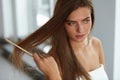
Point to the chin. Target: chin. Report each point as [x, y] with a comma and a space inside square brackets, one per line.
[79, 40]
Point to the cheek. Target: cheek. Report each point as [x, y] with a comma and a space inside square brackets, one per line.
[88, 28]
[69, 31]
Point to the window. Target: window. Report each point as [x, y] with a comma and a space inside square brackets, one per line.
[25, 16]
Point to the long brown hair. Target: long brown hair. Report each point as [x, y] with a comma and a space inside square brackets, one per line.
[54, 29]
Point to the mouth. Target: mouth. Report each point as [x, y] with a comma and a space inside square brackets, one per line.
[80, 36]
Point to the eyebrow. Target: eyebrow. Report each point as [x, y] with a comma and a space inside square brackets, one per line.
[86, 18]
[70, 21]
[75, 21]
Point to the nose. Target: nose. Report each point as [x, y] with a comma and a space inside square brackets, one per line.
[79, 28]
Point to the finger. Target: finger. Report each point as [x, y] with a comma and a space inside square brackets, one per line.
[37, 58]
[41, 55]
[41, 59]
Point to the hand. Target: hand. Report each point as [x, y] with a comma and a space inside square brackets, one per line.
[48, 66]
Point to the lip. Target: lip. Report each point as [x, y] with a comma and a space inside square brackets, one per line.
[79, 36]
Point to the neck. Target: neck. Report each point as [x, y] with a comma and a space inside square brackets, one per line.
[78, 46]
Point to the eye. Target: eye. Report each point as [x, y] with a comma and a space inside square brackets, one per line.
[71, 23]
[85, 21]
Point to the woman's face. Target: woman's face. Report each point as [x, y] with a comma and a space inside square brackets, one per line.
[78, 24]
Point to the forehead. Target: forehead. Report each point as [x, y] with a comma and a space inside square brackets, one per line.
[80, 13]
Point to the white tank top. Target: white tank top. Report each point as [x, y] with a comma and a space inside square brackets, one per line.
[98, 74]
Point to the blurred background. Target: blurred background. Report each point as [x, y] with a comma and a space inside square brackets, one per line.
[19, 18]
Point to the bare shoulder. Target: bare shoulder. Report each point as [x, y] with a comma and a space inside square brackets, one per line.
[96, 42]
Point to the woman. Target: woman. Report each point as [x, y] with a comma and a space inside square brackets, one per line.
[75, 54]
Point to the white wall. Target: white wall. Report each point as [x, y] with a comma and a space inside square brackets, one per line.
[117, 42]
[6, 17]
[14, 18]
[21, 17]
[104, 29]
[1, 19]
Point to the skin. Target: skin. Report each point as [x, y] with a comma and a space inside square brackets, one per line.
[48, 66]
[90, 55]
[78, 26]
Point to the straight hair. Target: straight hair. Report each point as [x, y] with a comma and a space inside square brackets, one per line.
[61, 48]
